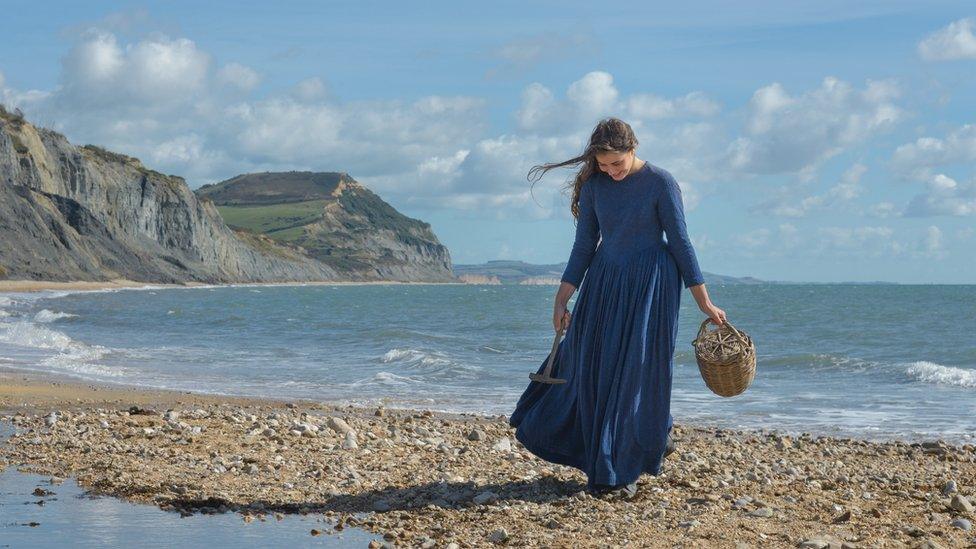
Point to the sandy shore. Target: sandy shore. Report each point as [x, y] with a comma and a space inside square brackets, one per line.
[422, 479]
[41, 285]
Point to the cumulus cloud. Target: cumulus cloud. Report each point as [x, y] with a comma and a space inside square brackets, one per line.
[915, 160]
[944, 196]
[238, 76]
[163, 100]
[859, 241]
[595, 96]
[795, 134]
[882, 209]
[786, 203]
[767, 242]
[931, 242]
[954, 41]
[156, 72]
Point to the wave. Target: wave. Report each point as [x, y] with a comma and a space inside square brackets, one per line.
[930, 372]
[45, 315]
[68, 355]
[429, 366]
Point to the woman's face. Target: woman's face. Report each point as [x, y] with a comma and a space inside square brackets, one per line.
[616, 165]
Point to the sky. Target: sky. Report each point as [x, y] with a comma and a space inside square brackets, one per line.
[813, 141]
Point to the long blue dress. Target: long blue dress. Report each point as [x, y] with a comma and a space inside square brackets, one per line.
[612, 416]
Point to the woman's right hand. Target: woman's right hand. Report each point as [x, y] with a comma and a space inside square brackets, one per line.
[560, 317]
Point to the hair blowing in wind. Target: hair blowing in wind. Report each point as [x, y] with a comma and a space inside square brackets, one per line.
[609, 135]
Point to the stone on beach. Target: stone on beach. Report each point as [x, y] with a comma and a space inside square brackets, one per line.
[503, 445]
[961, 503]
[339, 425]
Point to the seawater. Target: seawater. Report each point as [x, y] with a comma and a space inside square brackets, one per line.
[870, 361]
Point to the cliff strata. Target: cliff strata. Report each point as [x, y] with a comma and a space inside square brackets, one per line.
[84, 213]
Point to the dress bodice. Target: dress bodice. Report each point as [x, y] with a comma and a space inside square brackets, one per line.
[628, 216]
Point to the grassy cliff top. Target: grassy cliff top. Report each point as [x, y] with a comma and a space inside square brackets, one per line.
[256, 189]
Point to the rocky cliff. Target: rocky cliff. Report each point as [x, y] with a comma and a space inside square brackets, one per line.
[336, 220]
[84, 213]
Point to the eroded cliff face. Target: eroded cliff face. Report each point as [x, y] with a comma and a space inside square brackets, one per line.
[83, 213]
[338, 221]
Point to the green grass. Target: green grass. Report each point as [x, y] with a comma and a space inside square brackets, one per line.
[279, 221]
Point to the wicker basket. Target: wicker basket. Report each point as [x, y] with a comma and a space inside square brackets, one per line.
[726, 358]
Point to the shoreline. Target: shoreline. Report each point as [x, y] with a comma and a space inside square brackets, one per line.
[33, 286]
[422, 478]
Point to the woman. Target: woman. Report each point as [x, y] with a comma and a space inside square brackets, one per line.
[612, 418]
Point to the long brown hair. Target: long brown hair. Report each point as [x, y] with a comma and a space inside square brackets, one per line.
[609, 135]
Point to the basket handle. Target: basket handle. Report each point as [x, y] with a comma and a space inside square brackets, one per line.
[701, 330]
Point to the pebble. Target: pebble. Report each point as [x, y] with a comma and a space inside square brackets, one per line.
[761, 512]
[962, 524]
[961, 503]
[485, 497]
[503, 445]
[339, 425]
[476, 434]
[350, 442]
[498, 536]
[949, 488]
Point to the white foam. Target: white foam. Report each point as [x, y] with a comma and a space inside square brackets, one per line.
[931, 372]
[69, 355]
[45, 315]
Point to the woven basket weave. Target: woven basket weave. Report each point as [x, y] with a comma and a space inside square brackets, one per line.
[726, 358]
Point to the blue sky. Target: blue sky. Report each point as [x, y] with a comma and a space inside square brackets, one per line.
[812, 141]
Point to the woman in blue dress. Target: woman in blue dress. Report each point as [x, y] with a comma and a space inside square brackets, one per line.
[612, 418]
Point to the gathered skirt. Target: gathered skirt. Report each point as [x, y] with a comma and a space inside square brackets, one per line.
[612, 417]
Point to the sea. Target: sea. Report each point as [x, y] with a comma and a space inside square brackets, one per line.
[870, 361]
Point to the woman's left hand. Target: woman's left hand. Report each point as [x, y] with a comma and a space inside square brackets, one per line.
[717, 315]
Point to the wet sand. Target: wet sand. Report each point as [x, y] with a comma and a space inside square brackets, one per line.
[417, 478]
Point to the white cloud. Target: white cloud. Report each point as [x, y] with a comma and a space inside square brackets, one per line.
[236, 75]
[931, 242]
[309, 90]
[158, 71]
[867, 240]
[915, 160]
[654, 107]
[954, 41]
[593, 96]
[882, 209]
[786, 203]
[944, 196]
[795, 134]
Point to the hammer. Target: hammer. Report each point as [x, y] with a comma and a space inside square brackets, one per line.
[545, 377]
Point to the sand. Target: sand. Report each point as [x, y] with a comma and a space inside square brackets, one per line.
[422, 479]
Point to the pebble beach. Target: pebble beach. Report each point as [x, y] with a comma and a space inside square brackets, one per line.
[416, 478]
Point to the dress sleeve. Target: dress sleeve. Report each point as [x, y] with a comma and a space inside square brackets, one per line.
[670, 209]
[587, 235]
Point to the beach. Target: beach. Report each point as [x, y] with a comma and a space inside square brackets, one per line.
[417, 478]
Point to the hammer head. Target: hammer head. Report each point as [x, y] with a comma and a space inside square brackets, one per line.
[542, 378]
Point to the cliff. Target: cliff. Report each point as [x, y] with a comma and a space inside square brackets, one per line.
[336, 220]
[84, 213]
